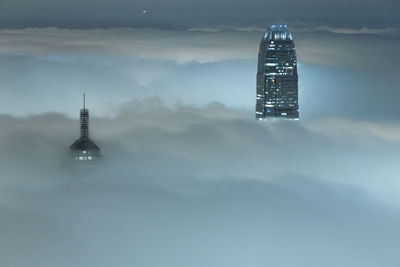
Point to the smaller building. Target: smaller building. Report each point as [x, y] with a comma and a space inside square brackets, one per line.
[84, 148]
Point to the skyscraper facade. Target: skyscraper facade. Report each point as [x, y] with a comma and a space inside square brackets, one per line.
[277, 80]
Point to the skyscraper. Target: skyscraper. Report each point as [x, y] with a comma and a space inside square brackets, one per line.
[277, 80]
[84, 148]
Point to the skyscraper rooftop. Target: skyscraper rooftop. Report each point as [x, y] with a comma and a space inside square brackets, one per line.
[84, 148]
[278, 32]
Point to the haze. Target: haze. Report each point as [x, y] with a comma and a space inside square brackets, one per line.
[188, 177]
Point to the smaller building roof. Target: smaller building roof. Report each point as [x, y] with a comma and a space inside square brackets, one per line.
[84, 143]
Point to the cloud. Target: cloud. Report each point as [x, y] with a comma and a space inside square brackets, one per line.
[359, 31]
[202, 139]
[54, 66]
[339, 128]
[301, 27]
[202, 45]
[198, 186]
[188, 178]
[180, 46]
[307, 27]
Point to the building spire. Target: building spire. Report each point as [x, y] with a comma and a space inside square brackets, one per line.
[84, 148]
[84, 119]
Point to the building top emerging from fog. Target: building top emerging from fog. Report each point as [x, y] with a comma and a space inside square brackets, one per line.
[277, 80]
[84, 148]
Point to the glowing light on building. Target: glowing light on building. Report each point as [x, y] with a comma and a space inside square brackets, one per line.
[277, 80]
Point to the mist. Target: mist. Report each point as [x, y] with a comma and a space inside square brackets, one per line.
[187, 176]
[195, 67]
[181, 186]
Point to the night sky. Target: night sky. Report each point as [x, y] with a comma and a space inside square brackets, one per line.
[179, 14]
[188, 177]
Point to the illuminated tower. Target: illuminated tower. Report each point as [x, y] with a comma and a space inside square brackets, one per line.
[277, 80]
[84, 148]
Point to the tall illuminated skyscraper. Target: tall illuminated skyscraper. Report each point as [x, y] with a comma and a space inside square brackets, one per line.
[277, 80]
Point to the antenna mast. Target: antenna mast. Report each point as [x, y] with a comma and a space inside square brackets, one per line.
[84, 119]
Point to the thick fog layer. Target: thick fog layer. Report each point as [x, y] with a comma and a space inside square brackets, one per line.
[188, 177]
[188, 186]
[341, 72]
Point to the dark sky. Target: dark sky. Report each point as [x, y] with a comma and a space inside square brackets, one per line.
[183, 14]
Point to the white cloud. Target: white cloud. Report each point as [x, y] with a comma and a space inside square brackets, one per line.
[188, 184]
[363, 30]
[193, 67]
[358, 130]
[180, 46]
[197, 186]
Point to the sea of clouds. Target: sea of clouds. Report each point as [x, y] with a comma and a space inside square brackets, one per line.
[188, 177]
